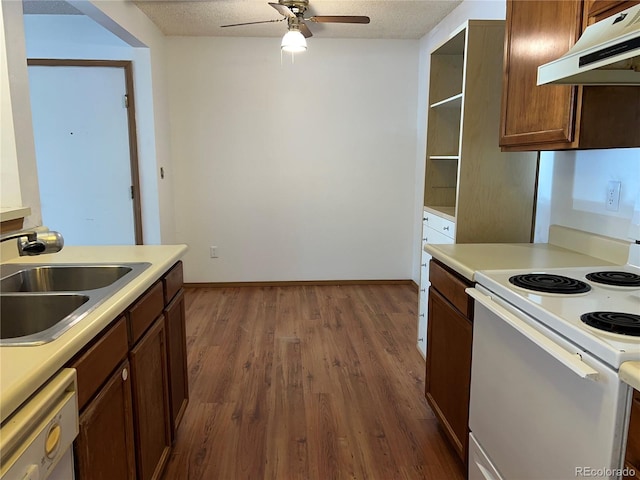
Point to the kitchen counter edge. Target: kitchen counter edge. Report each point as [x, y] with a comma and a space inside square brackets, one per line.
[23, 370]
[630, 374]
[468, 258]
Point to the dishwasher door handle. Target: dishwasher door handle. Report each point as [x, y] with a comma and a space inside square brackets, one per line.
[572, 361]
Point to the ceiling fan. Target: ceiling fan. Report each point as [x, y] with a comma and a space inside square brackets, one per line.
[293, 12]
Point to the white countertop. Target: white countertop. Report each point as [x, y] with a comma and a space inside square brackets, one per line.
[24, 369]
[467, 258]
[567, 247]
[630, 373]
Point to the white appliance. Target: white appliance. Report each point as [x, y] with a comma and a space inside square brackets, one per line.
[607, 53]
[36, 441]
[546, 400]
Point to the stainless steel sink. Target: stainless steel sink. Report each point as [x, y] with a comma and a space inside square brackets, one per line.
[63, 278]
[38, 302]
[24, 315]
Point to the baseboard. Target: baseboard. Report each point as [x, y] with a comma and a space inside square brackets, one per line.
[298, 283]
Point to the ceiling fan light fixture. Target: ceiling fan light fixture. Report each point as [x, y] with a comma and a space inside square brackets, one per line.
[294, 42]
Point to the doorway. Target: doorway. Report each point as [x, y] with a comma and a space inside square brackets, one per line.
[86, 149]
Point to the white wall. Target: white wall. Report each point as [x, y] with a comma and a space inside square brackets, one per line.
[467, 10]
[19, 180]
[297, 171]
[10, 195]
[575, 185]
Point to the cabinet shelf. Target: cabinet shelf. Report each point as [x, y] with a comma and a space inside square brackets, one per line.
[452, 102]
[444, 157]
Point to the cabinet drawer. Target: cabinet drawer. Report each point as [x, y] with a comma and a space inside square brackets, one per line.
[172, 282]
[434, 236]
[451, 287]
[96, 364]
[145, 311]
[439, 224]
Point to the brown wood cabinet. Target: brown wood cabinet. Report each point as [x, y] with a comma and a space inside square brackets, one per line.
[132, 387]
[104, 448]
[596, 10]
[557, 117]
[632, 459]
[174, 315]
[449, 342]
[151, 402]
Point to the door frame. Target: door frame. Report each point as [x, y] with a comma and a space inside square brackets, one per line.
[127, 65]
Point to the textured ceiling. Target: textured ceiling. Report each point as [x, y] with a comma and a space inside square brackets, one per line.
[390, 19]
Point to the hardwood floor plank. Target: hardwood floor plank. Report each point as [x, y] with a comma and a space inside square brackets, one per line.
[307, 382]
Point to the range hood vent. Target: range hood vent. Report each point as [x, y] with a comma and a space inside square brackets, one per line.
[607, 53]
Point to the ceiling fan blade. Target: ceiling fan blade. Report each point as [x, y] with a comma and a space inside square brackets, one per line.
[305, 30]
[252, 23]
[338, 19]
[282, 9]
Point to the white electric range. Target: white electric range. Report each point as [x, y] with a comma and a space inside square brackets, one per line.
[546, 398]
[562, 312]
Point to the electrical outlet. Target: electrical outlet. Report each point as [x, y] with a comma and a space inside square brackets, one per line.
[213, 252]
[613, 196]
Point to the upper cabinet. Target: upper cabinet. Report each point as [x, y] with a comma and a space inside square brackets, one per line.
[596, 10]
[559, 117]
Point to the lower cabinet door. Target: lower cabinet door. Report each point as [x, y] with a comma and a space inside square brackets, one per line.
[104, 448]
[448, 369]
[151, 402]
[177, 360]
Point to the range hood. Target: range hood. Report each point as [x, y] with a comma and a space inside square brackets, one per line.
[607, 53]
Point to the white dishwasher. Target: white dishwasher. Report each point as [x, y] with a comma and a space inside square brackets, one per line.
[36, 441]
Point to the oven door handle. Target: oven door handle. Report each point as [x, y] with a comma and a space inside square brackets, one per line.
[572, 361]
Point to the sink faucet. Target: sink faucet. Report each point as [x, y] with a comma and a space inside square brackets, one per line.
[33, 242]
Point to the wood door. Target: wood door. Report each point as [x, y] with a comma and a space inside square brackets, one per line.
[151, 402]
[104, 448]
[86, 149]
[448, 370]
[177, 360]
[536, 33]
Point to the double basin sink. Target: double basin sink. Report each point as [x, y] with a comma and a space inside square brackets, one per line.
[38, 303]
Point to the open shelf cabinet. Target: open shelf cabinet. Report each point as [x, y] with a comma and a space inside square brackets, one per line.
[490, 193]
[474, 192]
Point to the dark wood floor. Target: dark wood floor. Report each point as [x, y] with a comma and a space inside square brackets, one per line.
[307, 382]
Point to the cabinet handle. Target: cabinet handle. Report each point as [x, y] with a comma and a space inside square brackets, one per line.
[425, 239]
[125, 374]
[423, 264]
[421, 339]
[421, 315]
[423, 289]
[446, 228]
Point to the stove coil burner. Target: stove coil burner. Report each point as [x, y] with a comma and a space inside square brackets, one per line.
[615, 278]
[544, 282]
[614, 322]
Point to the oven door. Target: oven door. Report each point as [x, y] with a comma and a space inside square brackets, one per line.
[540, 407]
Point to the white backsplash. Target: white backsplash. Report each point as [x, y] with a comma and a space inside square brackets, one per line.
[572, 190]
